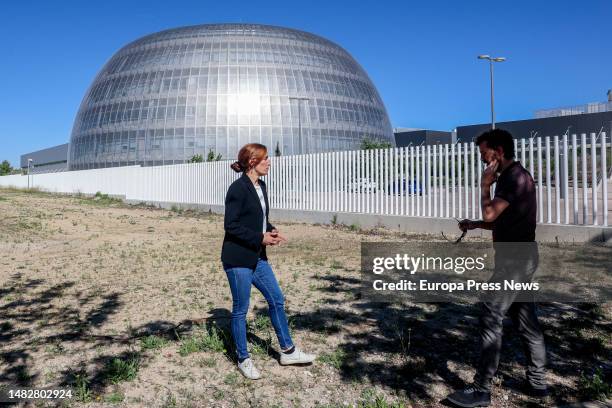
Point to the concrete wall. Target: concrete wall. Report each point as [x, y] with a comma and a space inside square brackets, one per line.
[419, 225]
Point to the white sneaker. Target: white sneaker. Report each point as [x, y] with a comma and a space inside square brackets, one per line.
[297, 357]
[247, 368]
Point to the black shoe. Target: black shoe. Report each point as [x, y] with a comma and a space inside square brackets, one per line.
[470, 397]
[536, 392]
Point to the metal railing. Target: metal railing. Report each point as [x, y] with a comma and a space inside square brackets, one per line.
[571, 175]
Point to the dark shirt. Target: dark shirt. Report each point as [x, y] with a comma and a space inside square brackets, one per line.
[517, 223]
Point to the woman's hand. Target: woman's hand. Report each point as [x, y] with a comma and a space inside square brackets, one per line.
[271, 238]
[278, 235]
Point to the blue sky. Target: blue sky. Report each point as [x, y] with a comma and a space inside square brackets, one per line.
[420, 55]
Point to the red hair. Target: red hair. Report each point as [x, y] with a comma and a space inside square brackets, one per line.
[249, 156]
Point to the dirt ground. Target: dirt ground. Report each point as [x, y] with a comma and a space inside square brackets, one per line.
[130, 306]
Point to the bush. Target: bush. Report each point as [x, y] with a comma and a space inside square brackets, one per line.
[196, 159]
[370, 144]
[122, 369]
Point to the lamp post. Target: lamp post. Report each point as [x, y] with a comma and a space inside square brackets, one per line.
[299, 100]
[491, 61]
[29, 163]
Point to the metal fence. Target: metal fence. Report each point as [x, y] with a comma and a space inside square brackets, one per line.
[571, 173]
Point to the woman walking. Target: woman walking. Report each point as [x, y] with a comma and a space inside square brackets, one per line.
[247, 234]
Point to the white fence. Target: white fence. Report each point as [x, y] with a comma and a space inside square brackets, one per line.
[571, 175]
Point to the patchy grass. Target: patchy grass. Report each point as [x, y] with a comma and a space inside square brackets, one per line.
[114, 398]
[136, 298]
[207, 339]
[101, 200]
[81, 388]
[261, 323]
[122, 369]
[153, 342]
[369, 399]
[335, 359]
[596, 385]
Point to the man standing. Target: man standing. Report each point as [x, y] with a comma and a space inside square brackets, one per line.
[511, 215]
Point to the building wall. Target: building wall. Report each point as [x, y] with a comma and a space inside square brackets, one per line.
[521, 129]
[170, 95]
[47, 160]
[423, 136]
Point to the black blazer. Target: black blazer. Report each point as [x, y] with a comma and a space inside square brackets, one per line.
[243, 223]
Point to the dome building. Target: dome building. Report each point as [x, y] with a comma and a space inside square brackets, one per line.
[171, 95]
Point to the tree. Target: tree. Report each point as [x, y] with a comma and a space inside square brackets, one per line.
[5, 168]
[212, 157]
[277, 151]
[370, 144]
[196, 159]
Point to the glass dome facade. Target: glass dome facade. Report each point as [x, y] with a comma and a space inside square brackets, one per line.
[171, 95]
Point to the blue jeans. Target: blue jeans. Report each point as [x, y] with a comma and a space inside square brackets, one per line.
[240, 281]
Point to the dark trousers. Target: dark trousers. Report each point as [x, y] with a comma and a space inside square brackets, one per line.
[518, 263]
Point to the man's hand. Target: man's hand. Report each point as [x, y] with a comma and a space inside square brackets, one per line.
[489, 175]
[271, 238]
[465, 225]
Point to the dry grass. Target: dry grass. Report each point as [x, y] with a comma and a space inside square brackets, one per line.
[130, 306]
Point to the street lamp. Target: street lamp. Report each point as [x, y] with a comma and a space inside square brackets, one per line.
[491, 61]
[29, 163]
[299, 99]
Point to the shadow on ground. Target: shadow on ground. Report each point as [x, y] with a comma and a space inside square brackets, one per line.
[404, 348]
[407, 348]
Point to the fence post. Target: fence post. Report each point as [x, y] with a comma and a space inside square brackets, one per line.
[594, 176]
[424, 181]
[441, 159]
[466, 176]
[557, 182]
[446, 178]
[417, 171]
[403, 160]
[585, 207]
[452, 179]
[473, 179]
[575, 177]
[540, 176]
[604, 179]
[565, 178]
[548, 183]
[459, 188]
[434, 178]
[428, 181]
[411, 185]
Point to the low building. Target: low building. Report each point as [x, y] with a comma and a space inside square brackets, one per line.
[417, 137]
[589, 118]
[49, 160]
[550, 126]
